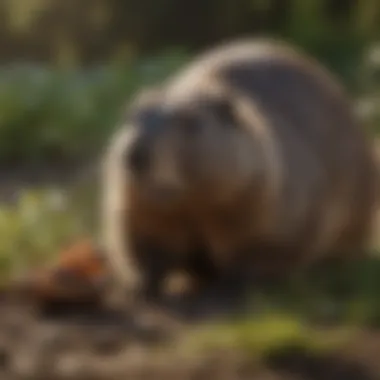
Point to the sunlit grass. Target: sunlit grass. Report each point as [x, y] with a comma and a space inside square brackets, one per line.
[260, 336]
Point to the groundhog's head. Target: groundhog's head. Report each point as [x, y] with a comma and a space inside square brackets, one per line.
[199, 146]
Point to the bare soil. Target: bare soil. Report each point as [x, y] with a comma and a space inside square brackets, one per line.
[94, 342]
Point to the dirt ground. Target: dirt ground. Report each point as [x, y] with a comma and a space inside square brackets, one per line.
[104, 343]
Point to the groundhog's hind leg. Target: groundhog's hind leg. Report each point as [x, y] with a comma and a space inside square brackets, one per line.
[200, 266]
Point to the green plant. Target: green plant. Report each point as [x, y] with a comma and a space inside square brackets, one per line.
[67, 115]
[35, 228]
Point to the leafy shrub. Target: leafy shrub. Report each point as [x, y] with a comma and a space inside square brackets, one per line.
[66, 115]
[35, 228]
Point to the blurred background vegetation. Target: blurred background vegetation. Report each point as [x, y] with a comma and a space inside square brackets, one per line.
[67, 69]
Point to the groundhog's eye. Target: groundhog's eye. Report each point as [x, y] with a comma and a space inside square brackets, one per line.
[189, 123]
[149, 118]
[222, 110]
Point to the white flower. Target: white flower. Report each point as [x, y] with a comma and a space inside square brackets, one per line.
[57, 200]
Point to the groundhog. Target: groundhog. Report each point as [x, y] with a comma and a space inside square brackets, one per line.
[249, 158]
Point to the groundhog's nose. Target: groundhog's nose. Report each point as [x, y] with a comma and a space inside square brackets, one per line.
[138, 158]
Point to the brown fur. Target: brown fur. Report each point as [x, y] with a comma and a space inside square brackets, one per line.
[290, 183]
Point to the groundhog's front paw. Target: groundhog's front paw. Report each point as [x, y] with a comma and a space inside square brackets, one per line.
[181, 285]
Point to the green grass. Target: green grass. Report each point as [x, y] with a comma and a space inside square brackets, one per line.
[262, 335]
